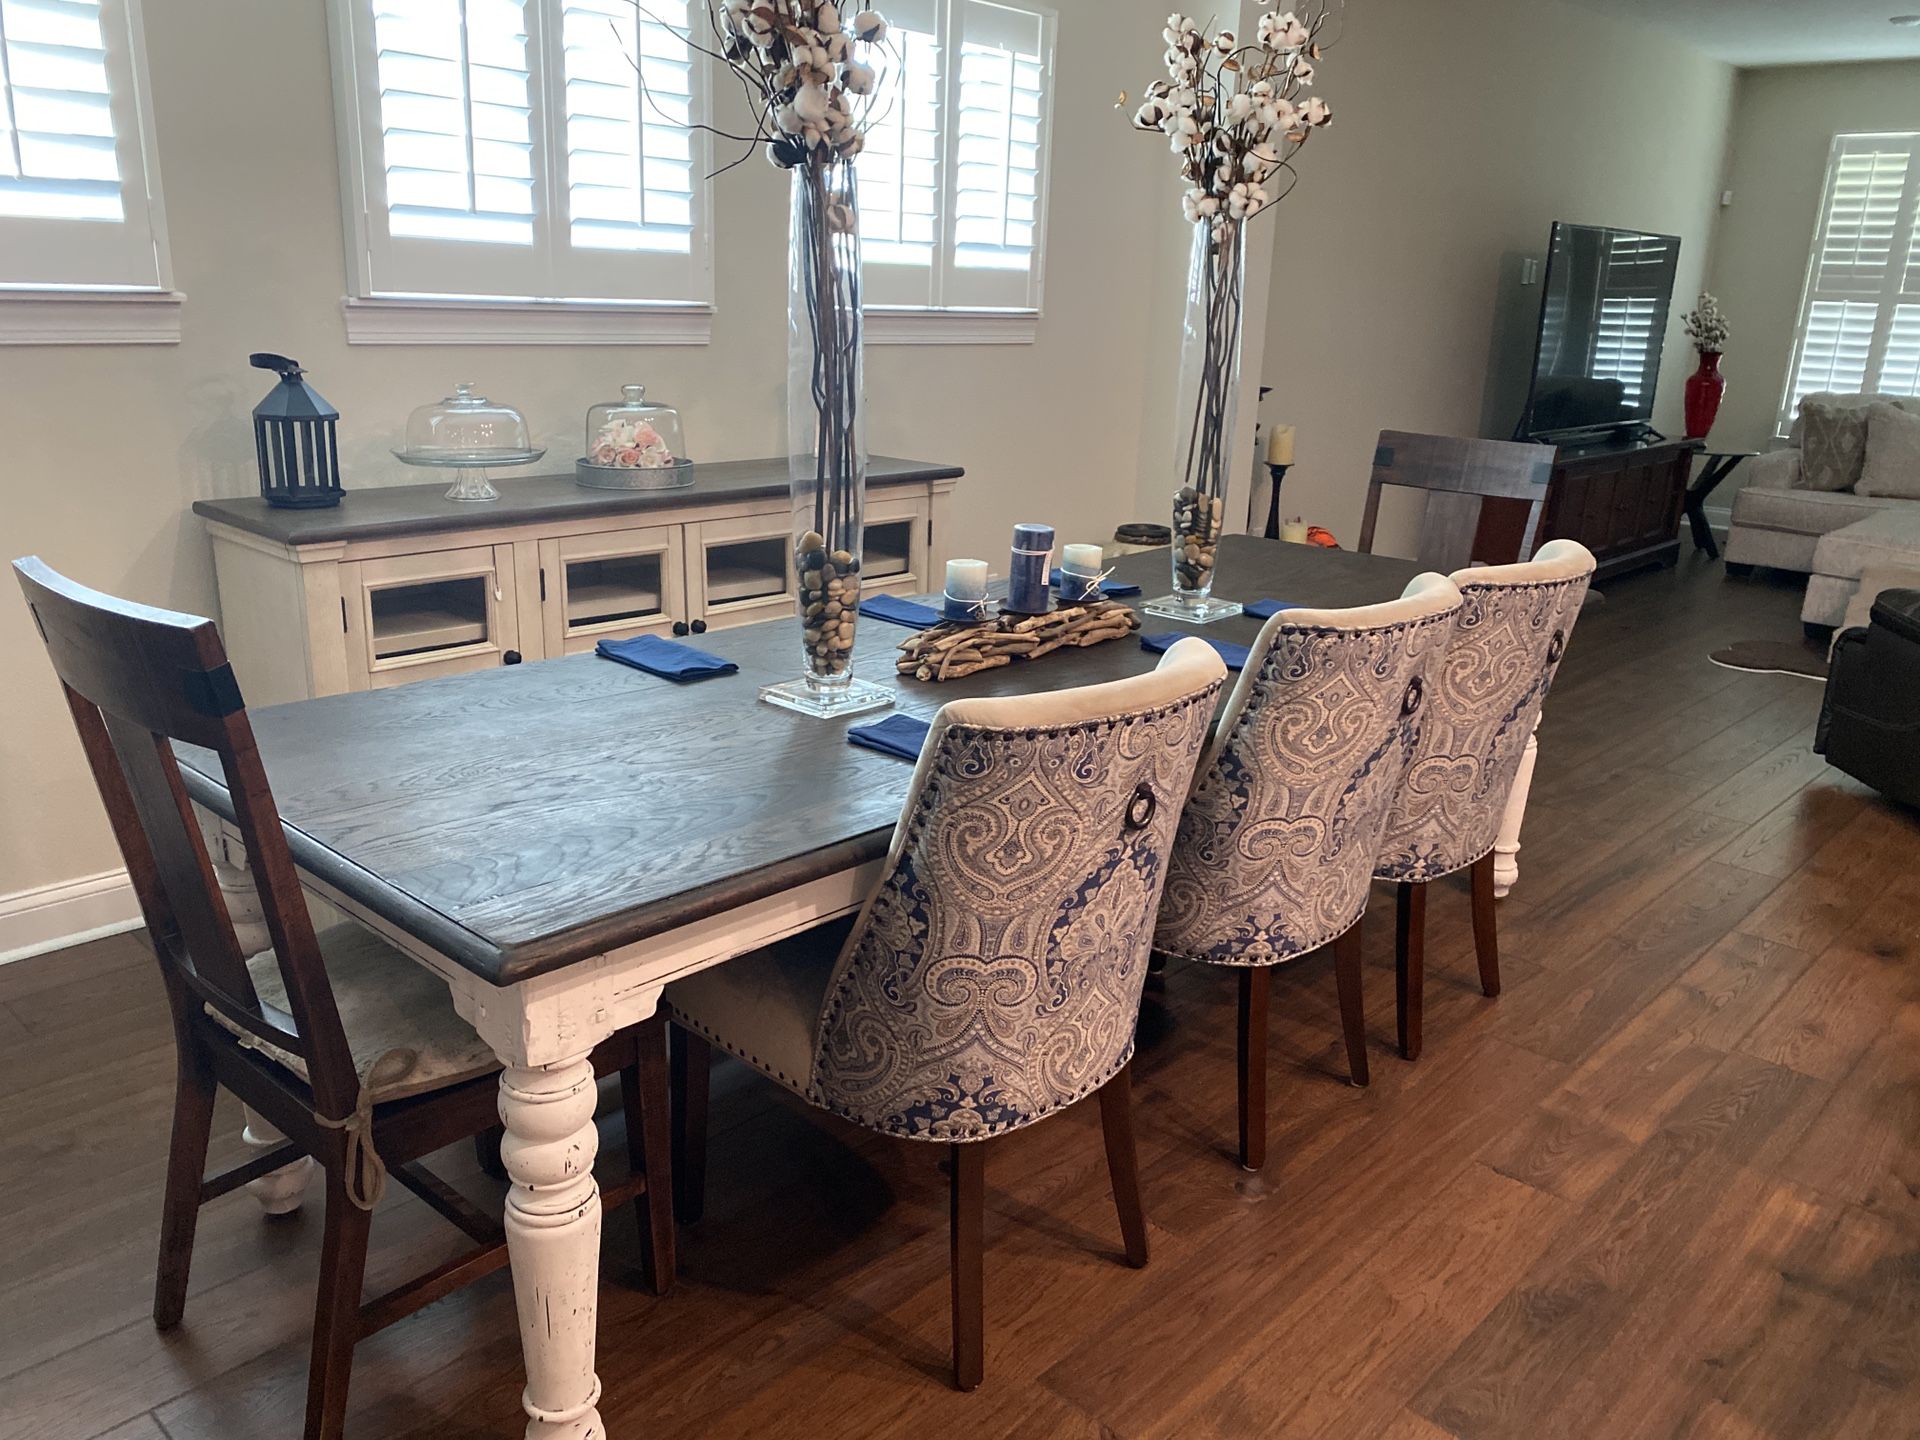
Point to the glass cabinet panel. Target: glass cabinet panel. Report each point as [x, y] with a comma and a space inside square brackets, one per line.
[613, 588]
[609, 586]
[428, 616]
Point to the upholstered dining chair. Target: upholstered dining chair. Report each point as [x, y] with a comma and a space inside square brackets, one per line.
[1484, 694]
[1274, 855]
[337, 1040]
[994, 975]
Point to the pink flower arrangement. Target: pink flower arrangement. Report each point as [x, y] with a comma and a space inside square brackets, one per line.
[625, 445]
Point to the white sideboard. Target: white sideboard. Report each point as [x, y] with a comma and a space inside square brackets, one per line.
[399, 584]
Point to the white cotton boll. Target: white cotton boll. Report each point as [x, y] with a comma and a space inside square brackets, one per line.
[858, 78]
[1209, 206]
[1150, 116]
[869, 28]
[788, 119]
[1261, 91]
[838, 48]
[826, 19]
[1190, 207]
[1286, 115]
[1239, 109]
[810, 104]
[1302, 70]
[1316, 112]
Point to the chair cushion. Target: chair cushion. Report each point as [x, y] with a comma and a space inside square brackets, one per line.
[1892, 465]
[1890, 538]
[387, 1003]
[765, 1007]
[1833, 445]
[1804, 512]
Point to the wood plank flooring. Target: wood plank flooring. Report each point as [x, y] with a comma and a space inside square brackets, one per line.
[1667, 1186]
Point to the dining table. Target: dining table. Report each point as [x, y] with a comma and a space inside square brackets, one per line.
[560, 840]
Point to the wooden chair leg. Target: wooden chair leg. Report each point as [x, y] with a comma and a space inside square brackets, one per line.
[1254, 986]
[1410, 962]
[336, 1311]
[1353, 1010]
[486, 1152]
[193, 1098]
[1123, 1165]
[968, 1191]
[643, 1092]
[692, 1070]
[1486, 933]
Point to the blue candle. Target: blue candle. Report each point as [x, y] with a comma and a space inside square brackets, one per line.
[1027, 574]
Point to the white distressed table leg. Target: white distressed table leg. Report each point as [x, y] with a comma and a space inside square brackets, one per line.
[281, 1191]
[553, 1238]
[1506, 845]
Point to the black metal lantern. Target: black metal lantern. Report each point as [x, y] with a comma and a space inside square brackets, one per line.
[293, 433]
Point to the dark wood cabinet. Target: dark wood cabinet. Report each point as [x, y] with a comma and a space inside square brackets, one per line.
[1623, 503]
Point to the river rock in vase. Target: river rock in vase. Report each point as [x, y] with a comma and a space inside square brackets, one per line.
[829, 603]
[1196, 537]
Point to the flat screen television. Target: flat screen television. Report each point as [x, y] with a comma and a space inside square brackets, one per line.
[1603, 318]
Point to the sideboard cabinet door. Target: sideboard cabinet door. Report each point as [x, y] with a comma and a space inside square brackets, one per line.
[610, 585]
[740, 569]
[895, 562]
[415, 617]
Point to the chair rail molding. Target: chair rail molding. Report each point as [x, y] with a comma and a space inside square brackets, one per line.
[67, 912]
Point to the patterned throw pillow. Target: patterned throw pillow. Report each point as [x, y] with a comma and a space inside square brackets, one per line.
[1892, 464]
[1833, 446]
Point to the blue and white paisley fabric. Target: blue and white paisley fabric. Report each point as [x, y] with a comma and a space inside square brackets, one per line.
[1483, 699]
[1276, 847]
[996, 974]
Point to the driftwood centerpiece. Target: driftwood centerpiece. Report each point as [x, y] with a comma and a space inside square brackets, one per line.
[949, 652]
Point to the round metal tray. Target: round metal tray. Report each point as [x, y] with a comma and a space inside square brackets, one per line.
[676, 476]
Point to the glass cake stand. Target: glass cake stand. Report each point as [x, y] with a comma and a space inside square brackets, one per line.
[470, 468]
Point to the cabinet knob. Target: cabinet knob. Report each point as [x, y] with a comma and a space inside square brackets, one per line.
[512, 657]
[699, 627]
[680, 627]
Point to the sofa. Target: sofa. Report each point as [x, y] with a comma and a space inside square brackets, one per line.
[1832, 535]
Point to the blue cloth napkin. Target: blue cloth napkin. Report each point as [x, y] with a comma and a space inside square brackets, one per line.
[666, 658]
[1267, 609]
[1110, 588]
[900, 612]
[898, 734]
[1234, 655]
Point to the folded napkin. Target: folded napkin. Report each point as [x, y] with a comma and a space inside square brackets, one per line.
[666, 658]
[1110, 588]
[900, 612]
[1267, 609]
[898, 734]
[1234, 655]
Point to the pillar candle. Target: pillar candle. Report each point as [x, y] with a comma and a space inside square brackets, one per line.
[1080, 559]
[966, 590]
[1027, 574]
[1294, 531]
[1280, 445]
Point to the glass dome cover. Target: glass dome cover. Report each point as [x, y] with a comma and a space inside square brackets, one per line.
[469, 428]
[632, 445]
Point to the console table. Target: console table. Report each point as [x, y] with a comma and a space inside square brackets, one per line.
[398, 583]
[1623, 502]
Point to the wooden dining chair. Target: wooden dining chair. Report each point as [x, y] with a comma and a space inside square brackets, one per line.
[1458, 477]
[348, 1048]
[1275, 851]
[1484, 693]
[994, 975]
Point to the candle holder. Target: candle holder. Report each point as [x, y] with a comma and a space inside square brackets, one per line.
[1279, 473]
[1078, 589]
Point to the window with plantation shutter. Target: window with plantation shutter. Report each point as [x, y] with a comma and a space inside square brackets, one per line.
[1859, 327]
[79, 201]
[953, 179]
[522, 155]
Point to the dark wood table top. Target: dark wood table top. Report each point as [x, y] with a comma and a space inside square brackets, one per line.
[520, 819]
[423, 509]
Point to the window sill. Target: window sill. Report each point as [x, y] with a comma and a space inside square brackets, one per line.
[397, 321]
[90, 317]
[921, 325]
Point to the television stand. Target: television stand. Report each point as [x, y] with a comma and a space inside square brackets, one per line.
[1622, 500]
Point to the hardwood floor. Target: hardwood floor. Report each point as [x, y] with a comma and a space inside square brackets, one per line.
[1667, 1185]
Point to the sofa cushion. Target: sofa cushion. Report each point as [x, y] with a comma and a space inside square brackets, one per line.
[1837, 400]
[1833, 445]
[1890, 538]
[1892, 465]
[1804, 512]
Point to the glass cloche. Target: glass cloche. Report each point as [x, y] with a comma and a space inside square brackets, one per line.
[632, 445]
[468, 433]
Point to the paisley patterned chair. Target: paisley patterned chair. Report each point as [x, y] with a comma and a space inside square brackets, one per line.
[1483, 700]
[1276, 846]
[994, 975]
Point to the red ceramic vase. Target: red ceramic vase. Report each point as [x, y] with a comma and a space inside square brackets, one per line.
[1705, 387]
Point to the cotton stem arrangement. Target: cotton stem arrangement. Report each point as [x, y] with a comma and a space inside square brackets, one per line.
[1236, 116]
[1706, 325]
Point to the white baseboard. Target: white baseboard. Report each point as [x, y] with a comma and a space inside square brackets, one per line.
[51, 917]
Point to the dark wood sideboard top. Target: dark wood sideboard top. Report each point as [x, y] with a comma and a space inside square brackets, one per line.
[421, 509]
[523, 818]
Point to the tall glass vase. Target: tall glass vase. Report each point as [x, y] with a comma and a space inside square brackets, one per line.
[826, 439]
[1208, 403]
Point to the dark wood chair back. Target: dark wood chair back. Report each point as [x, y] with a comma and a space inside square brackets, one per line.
[136, 679]
[1459, 476]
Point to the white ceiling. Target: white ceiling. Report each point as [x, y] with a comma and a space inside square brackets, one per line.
[1780, 32]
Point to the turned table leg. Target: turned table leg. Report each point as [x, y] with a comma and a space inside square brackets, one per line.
[553, 1237]
[1506, 844]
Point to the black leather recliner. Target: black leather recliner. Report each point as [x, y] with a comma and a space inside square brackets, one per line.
[1870, 721]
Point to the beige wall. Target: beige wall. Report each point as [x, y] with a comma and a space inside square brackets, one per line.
[1461, 133]
[1784, 121]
